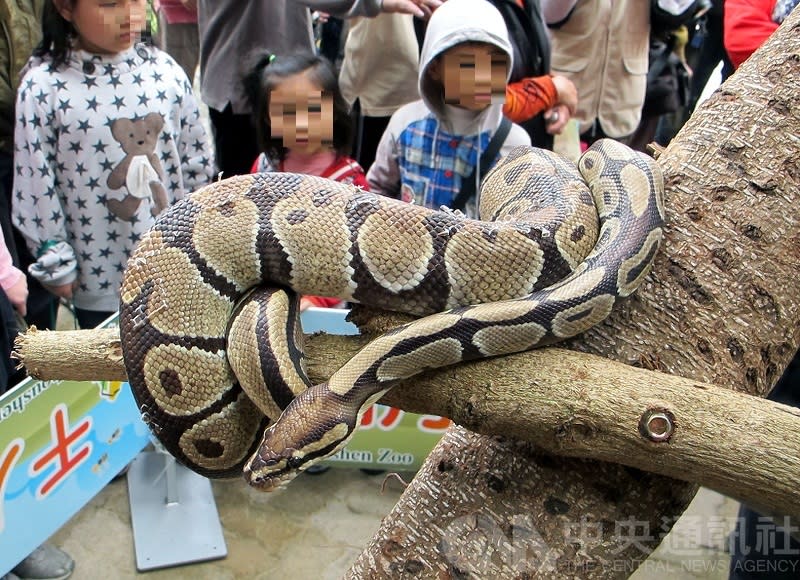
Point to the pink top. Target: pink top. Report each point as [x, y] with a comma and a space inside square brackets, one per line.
[9, 275]
[175, 11]
[315, 164]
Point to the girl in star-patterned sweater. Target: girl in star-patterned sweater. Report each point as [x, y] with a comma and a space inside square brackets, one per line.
[108, 134]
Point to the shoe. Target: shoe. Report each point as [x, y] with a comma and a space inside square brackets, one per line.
[372, 471]
[45, 563]
[317, 469]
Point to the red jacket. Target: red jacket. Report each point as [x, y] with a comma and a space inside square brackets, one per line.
[344, 170]
[748, 23]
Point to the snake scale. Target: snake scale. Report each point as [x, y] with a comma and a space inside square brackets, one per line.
[559, 245]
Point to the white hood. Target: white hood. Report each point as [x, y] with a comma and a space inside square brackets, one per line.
[455, 22]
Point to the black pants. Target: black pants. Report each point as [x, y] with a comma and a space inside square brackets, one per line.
[595, 133]
[235, 141]
[761, 548]
[41, 304]
[330, 40]
[369, 131]
[704, 53]
[7, 334]
[90, 318]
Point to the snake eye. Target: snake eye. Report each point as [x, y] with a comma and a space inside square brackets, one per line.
[294, 462]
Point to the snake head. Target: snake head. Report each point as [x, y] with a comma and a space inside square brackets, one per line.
[275, 464]
[274, 471]
[315, 425]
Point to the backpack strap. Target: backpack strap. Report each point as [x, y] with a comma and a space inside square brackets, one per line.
[467, 191]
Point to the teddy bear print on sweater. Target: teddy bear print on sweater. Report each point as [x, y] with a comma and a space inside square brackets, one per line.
[140, 170]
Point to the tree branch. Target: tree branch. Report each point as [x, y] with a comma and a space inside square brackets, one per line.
[564, 402]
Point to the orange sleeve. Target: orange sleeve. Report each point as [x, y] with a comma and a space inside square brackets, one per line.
[529, 97]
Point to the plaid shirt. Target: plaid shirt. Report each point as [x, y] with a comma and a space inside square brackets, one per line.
[433, 163]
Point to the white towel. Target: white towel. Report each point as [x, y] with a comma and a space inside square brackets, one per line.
[140, 174]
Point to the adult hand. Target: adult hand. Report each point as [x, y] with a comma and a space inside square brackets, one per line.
[567, 93]
[190, 5]
[556, 119]
[419, 8]
[18, 295]
[321, 17]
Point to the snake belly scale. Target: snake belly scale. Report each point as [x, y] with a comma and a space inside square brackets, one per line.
[559, 246]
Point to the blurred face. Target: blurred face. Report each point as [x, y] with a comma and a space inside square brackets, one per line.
[105, 27]
[473, 75]
[301, 115]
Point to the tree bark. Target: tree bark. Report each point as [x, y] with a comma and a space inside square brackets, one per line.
[721, 306]
[74, 355]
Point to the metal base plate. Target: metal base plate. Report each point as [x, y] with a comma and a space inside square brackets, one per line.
[174, 515]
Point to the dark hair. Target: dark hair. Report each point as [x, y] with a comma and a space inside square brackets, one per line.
[264, 75]
[58, 35]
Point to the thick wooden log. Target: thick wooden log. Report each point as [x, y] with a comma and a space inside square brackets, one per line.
[722, 306]
[564, 402]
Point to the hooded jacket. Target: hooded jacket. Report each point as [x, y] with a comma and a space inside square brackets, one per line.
[101, 143]
[430, 147]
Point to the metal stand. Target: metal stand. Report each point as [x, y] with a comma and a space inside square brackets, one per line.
[173, 512]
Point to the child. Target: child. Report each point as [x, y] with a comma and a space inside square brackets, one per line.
[431, 148]
[302, 121]
[107, 135]
[303, 124]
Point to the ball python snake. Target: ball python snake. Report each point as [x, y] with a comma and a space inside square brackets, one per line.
[559, 246]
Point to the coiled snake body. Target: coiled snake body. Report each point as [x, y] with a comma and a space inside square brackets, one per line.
[549, 262]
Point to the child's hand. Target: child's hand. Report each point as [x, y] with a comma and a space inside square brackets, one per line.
[63, 291]
[556, 119]
[321, 17]
[18, 295]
